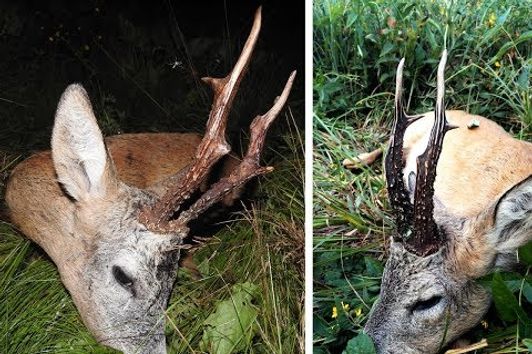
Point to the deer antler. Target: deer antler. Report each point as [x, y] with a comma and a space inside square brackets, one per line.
[248, 168]
[397, 192]
[213, 146]
[427, 237]
[415, 224]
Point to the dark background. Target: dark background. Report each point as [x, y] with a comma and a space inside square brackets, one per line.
[141, 63]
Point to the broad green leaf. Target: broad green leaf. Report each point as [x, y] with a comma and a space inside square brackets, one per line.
[373, 267]
[351, 19]
[387, 48]
[361, 344]
[525, 254]
[318, 351]
[527, 292]
[420, 54]
[525, 328]
[523, 78]
[505, 302]
[230, 328]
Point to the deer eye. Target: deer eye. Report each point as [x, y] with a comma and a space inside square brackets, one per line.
[122, 278]
[426, 304]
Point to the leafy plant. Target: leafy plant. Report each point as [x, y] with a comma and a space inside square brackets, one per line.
[142, 69]
[231, 327]
[361, 344]
[357, 46]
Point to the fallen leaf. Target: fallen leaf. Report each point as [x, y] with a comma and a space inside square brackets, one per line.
[230, 328]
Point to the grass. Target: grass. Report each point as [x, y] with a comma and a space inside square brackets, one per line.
[144, 77]
[357, 45]
[259, 247]
[270, 230]
[263, 245]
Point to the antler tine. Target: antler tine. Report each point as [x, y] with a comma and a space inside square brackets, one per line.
[213, 145]
[427, 237]
[225, 89]
[248, 168]
[397, 192]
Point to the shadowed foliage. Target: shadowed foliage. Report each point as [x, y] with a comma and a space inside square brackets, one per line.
[357, 46]
[142, 66]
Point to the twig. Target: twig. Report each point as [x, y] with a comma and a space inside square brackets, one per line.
[482, 344]
[361, 160]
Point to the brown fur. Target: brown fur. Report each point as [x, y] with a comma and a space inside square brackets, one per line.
[145, 159]
[494, 162]
[141, 160]
[493, 159]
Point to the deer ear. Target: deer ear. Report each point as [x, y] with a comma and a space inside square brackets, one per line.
[513, 217]
[78, 151]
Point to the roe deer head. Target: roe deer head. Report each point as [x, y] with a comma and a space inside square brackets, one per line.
[117, 246]
[462, 200]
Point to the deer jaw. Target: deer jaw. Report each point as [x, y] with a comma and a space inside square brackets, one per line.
[424, 304]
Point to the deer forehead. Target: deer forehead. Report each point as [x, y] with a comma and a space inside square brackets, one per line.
[116, 212]
[113, 233]
[409, 273]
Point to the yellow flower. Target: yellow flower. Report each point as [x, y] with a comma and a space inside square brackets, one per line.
[358, 312]
[345, 306]
[491, 20]
[498, 64]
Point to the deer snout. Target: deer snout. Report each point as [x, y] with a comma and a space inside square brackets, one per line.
[384, 343]
[146, 345]
[384, 339]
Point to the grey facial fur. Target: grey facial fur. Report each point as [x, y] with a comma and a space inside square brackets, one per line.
[399, 321]
[129, 278]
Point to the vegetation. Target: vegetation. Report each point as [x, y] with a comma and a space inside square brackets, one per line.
[261, 247]
[357, 46]
[142, 74]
